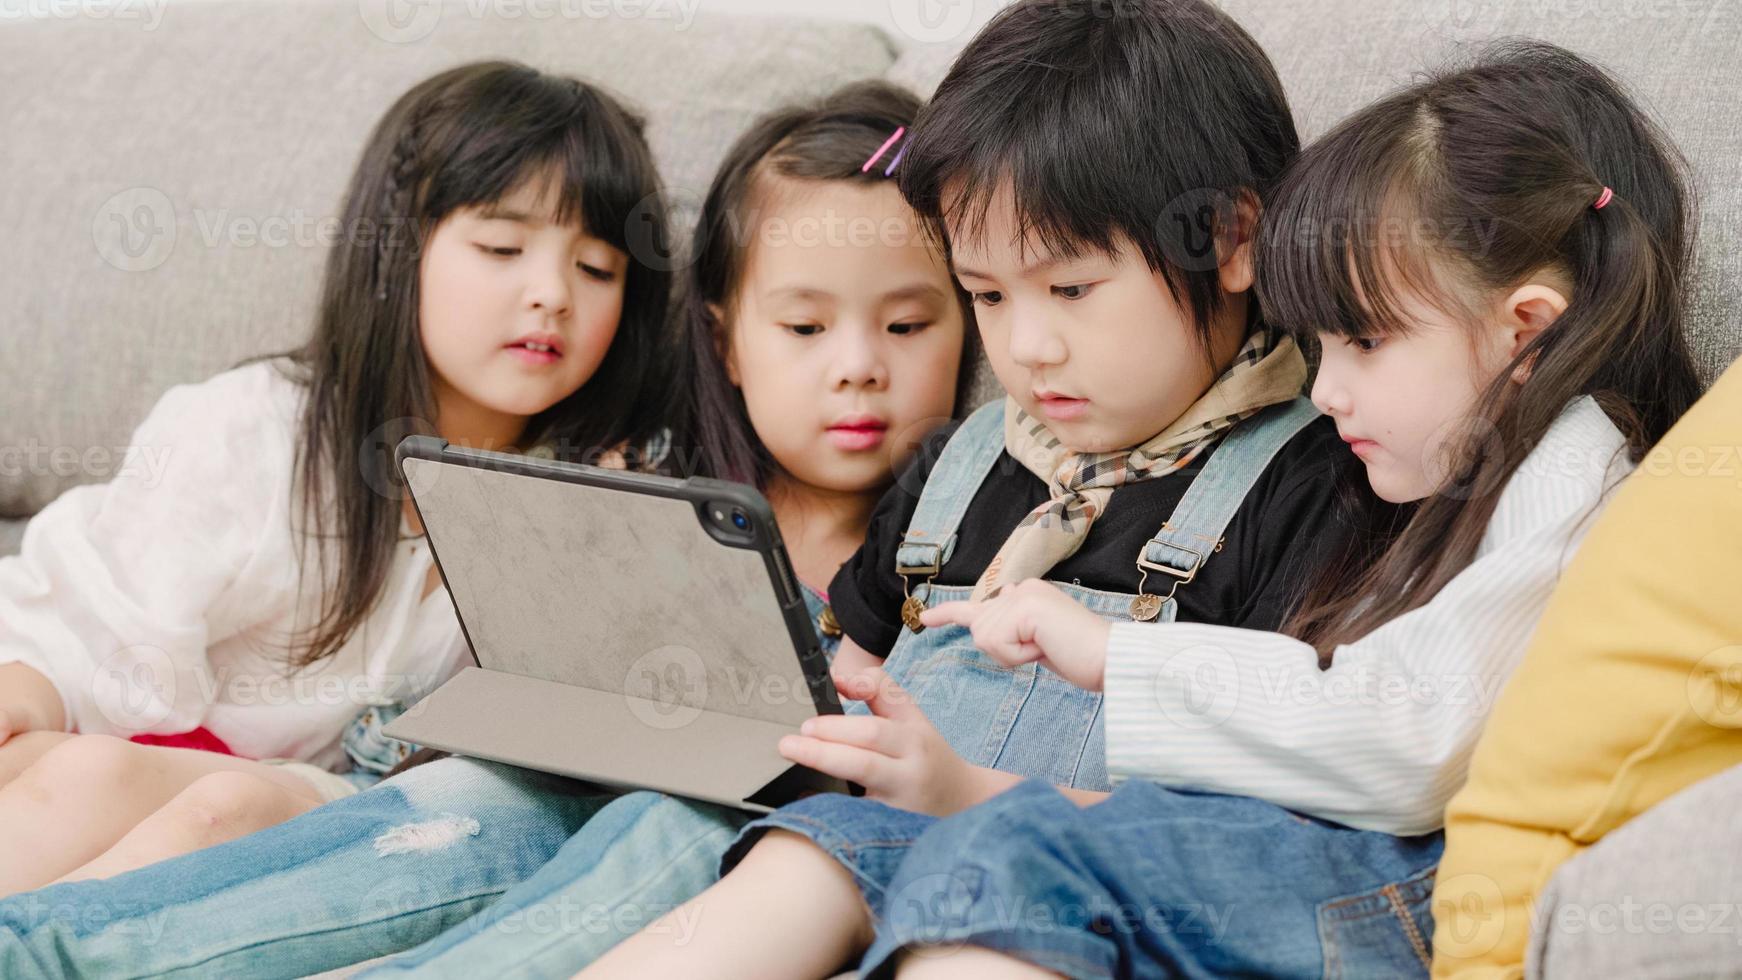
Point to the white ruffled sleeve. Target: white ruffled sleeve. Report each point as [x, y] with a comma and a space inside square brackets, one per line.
[111, 594]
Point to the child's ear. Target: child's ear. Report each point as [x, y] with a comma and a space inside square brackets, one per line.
[1524, 314]
[1234, 245]
[723, 343]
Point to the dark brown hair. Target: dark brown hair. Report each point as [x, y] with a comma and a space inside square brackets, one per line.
[828, 140]
[1493, 171]
[466, 137]
[1144, 121]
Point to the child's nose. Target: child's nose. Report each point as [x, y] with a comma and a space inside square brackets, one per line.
[1034, 343]
[1329, 394]
[859, 362]
[550, 292]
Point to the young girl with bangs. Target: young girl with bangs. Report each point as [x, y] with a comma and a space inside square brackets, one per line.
[166, 644]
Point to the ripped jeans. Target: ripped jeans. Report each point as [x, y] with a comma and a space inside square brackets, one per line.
[363, 877]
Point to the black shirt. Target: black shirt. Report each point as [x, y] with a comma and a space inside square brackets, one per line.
[1290, 522]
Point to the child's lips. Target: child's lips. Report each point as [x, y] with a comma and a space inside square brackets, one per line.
[545, 347]
[1360, 446]
[531, 356]
[857, 435]
[1060, 408]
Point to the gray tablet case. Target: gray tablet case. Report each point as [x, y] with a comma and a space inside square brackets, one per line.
[627, 629]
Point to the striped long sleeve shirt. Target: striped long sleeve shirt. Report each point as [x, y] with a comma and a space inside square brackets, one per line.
[1382, 738]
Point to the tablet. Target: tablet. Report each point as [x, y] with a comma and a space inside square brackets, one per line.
[628, 629]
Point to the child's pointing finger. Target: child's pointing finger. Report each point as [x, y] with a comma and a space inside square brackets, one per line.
[961, 613]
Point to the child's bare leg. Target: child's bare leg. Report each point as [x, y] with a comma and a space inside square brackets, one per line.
[966, 962]
[217, 808]
[85, 794]
[787, 910]
[20, 752]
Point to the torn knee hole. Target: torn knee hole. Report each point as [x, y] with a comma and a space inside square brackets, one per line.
[426, 836]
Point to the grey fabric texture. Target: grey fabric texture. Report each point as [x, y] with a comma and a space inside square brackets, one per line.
[171, 176]
[11, 535]
[1657, 898]
[230, 130]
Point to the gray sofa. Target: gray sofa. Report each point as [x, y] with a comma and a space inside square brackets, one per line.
[164, 170]
[162, 178]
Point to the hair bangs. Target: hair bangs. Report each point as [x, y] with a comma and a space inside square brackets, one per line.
[1344, 249]
[590, 166]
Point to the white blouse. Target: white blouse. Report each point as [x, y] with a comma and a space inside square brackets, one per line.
[1382, 739]
[166, 599]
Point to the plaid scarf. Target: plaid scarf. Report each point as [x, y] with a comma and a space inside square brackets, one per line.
[1079, 485]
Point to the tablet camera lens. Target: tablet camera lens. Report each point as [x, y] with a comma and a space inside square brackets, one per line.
[741, 520]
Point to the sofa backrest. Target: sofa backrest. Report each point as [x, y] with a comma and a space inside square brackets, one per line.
[164, 182]
[163, 186]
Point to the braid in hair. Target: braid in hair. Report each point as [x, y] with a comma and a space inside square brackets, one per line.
[404, 174]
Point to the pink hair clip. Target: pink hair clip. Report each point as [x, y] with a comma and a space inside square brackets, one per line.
[885, 149]
[1603, 199]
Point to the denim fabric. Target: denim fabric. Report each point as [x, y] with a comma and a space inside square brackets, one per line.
[638, 858]
[360, 878]
[868, 838]
[1154, 882]
[1027, 720]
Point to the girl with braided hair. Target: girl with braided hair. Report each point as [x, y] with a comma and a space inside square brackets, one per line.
[192, 657]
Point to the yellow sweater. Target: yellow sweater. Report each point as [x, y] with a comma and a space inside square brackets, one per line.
[1630, 691]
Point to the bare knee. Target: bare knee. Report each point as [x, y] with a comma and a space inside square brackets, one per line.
[224, 805]
[20, 752]
[33, 745]
[78, 764]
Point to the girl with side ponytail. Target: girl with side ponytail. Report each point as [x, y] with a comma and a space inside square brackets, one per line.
[1445, 199]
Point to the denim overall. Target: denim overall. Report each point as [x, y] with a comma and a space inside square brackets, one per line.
[1028, 720]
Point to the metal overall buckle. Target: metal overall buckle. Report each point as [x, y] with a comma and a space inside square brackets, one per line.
[1145, 607]
[913, 605]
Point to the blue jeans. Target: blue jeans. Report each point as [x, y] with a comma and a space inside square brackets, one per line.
[639, 857]
[363, 877]
[1151, 882]
[868, 838]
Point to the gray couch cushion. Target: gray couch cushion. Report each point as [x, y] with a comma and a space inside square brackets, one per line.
[11, 535]
[1678, 58]
[235, 121]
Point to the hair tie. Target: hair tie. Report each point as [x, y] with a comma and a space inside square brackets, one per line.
[885, 149]
[1603, 199]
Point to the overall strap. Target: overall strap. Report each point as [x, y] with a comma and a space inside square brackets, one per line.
[1195, 529]
[949, 488]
